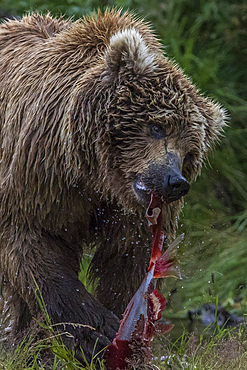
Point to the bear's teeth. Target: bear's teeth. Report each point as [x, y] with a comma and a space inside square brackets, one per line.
[140, 185]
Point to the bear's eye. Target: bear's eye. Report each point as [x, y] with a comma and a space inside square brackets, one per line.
[157, 131]
[189, 157]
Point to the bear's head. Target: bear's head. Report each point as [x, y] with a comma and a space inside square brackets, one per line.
[144, 127]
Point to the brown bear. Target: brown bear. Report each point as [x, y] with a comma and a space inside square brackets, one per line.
[94, 118]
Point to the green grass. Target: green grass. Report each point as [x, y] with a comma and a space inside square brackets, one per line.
[223, 349]
[29, 356]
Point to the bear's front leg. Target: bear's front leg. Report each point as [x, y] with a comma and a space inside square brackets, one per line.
[46, 260]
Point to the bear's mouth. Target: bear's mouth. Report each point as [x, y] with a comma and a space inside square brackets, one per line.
[143, 193]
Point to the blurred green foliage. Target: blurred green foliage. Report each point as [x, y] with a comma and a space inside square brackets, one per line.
[207, 38]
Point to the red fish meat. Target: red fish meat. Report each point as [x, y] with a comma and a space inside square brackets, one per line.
[140, 321]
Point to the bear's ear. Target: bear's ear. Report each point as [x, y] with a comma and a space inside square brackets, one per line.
[128, 51]
[215, 120]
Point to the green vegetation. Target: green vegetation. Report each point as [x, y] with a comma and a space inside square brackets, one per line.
[225, 350]
[207, 38]
[214, 348]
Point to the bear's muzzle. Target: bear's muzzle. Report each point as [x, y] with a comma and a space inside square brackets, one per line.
[164, 179]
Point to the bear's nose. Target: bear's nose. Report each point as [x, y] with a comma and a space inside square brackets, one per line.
[176, 186]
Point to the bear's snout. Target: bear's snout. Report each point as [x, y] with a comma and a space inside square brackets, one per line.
[164, 179]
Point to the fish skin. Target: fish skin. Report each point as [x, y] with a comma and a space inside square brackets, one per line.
[141, 317]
